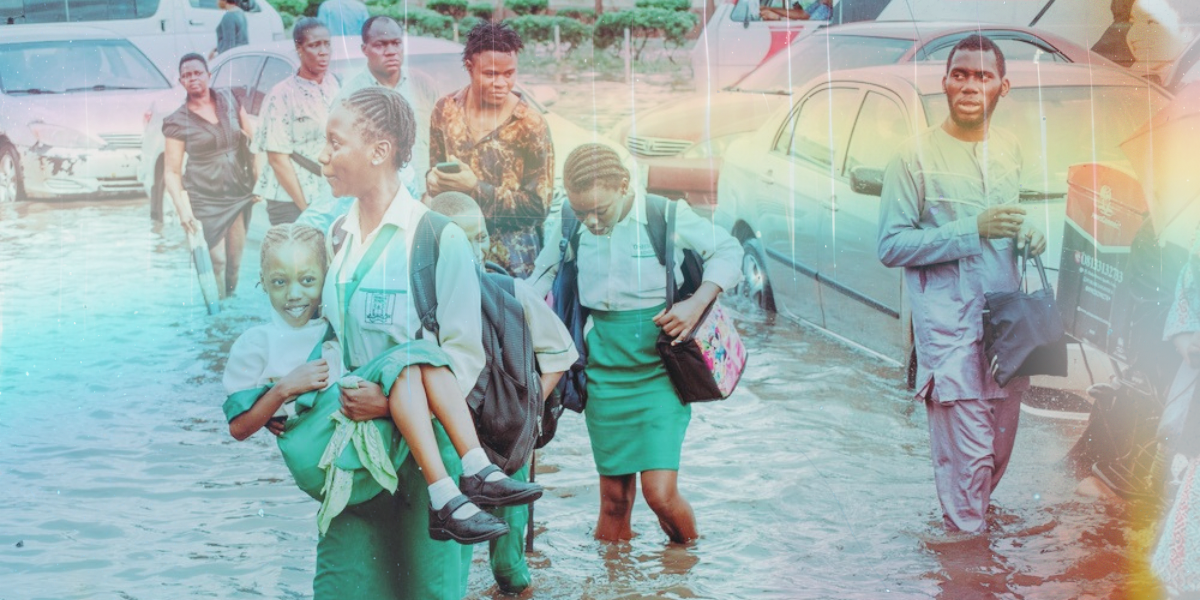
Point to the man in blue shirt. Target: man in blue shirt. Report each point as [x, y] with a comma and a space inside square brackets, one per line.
[343, 17]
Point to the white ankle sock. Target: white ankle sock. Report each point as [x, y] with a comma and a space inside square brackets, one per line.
[475, 461]
[443, 491]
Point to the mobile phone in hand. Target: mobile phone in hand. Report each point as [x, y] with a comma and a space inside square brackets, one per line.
[448, 167]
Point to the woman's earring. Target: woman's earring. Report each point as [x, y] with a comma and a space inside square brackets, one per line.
[375, 162]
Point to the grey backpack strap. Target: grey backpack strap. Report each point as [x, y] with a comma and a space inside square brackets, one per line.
[423, 268]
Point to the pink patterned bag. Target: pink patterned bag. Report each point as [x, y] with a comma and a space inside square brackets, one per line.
[708, 364]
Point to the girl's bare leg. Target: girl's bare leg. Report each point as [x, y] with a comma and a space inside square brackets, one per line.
[410, 411]
[675, 515]
[616, 507]
[447, 403]
[235, 243]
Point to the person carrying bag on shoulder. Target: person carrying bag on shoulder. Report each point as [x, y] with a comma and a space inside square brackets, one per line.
[635, 419]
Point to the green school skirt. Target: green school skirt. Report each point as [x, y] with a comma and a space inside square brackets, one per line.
[634, 418]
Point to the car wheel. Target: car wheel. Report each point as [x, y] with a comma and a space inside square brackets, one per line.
[755, 286]
[11, 189]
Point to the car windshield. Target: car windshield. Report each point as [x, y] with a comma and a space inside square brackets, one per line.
[67, 66]
[806, 60]
[1062, 126]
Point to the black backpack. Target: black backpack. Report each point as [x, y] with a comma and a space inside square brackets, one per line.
[572, 388]
[506, 402]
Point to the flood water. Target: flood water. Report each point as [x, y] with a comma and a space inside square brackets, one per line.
[119, 479]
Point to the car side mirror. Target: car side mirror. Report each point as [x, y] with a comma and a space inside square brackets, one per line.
[867, 181]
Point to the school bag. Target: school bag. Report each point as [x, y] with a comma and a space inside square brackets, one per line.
[565, 292]
[506, 402]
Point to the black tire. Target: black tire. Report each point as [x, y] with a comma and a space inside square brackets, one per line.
[12, 188]
[756, 285]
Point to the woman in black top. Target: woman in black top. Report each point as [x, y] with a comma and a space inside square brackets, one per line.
[216, 190]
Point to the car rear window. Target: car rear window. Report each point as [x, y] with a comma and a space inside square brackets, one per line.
[818, 54]
[16, 12]
[67, 66]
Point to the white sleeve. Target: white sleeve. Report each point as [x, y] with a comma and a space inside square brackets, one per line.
[552, 344]
[247, 361]
[460, 322]
[721, 252]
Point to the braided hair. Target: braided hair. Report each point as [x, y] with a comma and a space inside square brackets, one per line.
[494, 37]
[299, 233]
[384, 114]
[592, 165]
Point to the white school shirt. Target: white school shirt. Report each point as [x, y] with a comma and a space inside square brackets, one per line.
[552, 345]
[381, 313]
[621, 272]
[264, 354]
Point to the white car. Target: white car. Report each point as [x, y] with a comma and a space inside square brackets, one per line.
[71, 110]
[251, 72]
[742, 34]
[164, 29]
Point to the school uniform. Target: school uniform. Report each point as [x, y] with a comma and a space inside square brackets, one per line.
[554, 351]
[383, 548]
[634, 417]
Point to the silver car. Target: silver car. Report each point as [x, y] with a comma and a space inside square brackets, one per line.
[802, 192]
[72, 105]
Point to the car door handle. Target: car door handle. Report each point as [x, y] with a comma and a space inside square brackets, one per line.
[768, 178]
[832, 206]
[196, 23]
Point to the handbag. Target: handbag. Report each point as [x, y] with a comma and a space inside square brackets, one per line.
[708, 363]
[1023, 332]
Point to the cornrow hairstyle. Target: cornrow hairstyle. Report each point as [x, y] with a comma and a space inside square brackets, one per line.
[491, 36]
[189, 57]
[302, 27]
[594, 164]
[385, 114]
[453, 204]
[981, 43]
[370, 22]
[305, 235]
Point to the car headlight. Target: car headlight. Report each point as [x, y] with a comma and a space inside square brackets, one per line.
[64, 137]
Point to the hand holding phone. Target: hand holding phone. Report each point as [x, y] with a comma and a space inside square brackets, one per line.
[448, 167]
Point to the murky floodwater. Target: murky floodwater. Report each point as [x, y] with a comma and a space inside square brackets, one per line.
[119, 479]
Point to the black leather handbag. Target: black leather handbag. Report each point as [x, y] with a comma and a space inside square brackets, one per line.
[1022, 331]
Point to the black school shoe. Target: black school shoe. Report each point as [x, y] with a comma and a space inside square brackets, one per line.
[479, 527]
[502, 492]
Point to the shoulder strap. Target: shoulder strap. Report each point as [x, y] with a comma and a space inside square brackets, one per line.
[423, 268]
[667, 257]
[570, 231]
[657, 227]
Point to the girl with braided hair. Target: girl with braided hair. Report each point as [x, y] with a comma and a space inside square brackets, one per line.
[634, 417]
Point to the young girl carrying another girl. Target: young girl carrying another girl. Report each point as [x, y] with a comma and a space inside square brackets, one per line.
[290, 369]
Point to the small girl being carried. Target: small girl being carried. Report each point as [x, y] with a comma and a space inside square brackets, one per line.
[290, 369]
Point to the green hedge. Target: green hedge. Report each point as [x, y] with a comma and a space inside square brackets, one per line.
[466, 24]
[586, 15]
[421, 21]
[527, 7]
[539, 29]
[455, 9]
[643, 24]
[677, 5]
[482, 10]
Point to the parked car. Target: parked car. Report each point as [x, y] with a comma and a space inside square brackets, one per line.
[250, 72]
[163, 29]
[71, 106]
[737, 38]
[801, 192]
[682, 142]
